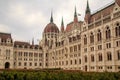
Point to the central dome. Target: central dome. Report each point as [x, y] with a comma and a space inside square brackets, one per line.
[51, 27]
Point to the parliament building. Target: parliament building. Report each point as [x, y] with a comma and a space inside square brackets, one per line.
[91, 45]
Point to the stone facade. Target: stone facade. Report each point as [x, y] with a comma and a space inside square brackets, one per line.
[6, 51]
[89, 45]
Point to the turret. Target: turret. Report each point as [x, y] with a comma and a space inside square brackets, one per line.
[87, 13]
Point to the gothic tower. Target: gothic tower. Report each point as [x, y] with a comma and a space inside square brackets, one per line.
[87, 13]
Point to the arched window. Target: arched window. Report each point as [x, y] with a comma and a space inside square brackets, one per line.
[100, 58]
[66, 62]
[108, 33]
[7, 52]
[30, 64]
[85, 59]
[79, 61]
[99, 35]
[117, 30]
[92, 58]
[19, 63]
[118, 54]
[25, 64]
[91, 38]
[0, 51]
[85, 40]
[71, 62]
[109, 56]
[75, 61]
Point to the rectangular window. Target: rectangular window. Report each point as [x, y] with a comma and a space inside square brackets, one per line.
[85, 49]
[35, 64]
[99, 47]
[117, 43]
[92, 48]
[19, 64]
[79, 47]
[25, 64]
[40, 64]
[66, 62]
[71, 49]
[108, 45]
[30, 64]
[75, 48]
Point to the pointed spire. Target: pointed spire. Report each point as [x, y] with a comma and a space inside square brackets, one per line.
[51, 19]
[32, 41]
[62, 25]
[75, 16]
[88, 8]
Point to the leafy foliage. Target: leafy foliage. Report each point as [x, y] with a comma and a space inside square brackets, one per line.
[57, 75]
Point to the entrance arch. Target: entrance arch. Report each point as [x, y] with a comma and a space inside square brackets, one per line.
[7, 65]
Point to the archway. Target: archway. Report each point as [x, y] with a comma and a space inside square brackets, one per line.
[7, 65]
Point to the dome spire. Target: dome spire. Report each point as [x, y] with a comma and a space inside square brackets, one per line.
[51, 19]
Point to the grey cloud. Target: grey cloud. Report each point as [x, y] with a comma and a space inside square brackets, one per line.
[28, 18]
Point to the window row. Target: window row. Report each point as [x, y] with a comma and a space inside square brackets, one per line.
[71, 62]
[75, 48]
[100, 57]
[29, 64]
[75, 38]
[99, 34]
[30, 54]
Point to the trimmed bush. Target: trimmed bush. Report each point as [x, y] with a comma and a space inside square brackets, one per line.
[57, 75]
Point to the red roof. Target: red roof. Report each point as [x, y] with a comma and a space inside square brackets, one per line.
[26, 44]
[105, 11]
[70, 25]
[21, 43]
[51, 27]
[5, 36]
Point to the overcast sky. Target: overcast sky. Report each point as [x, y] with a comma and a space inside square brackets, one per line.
[26, 19]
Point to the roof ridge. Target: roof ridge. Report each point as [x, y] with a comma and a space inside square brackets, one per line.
[101, 8]
[5, 33]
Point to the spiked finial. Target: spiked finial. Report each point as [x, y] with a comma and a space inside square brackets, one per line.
[88, 8]
[62, 25]
[51, 19]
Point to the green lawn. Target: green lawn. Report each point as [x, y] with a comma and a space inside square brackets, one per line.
[57, 75]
